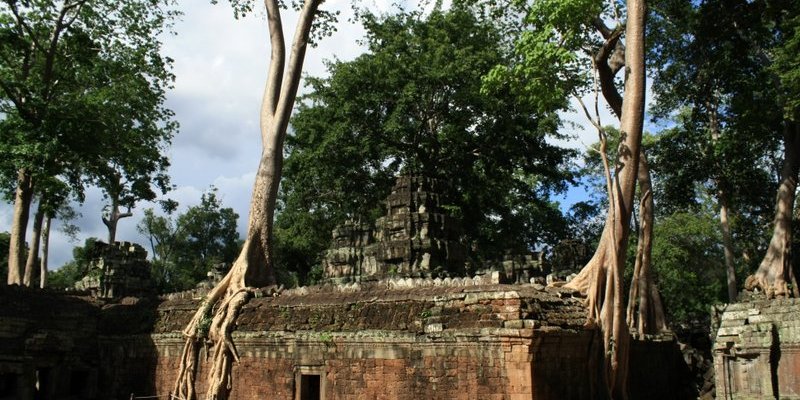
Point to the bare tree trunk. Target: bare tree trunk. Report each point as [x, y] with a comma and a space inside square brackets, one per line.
[604, 292]
[727, 244]
[775, 275]
[19, 225]
[254, 266]
[644, 296]
[113, 218]
[33, 252]
[45, 251]
[645, 310]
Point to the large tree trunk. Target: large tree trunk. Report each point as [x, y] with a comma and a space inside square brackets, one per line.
[254, 266]
[727, 244]
[19, 225]
[643, 296]
[645, 310]
[775, 275]
[45, 251]
[33, 252]
[604, 290]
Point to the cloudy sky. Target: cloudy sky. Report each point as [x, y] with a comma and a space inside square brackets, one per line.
[220, 68]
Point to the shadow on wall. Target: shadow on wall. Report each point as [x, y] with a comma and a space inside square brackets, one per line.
[54, 346]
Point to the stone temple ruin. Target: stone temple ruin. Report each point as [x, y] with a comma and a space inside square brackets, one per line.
[117, 270]
[425, 339]
[417, 238]
[397, 319]
[757, 349]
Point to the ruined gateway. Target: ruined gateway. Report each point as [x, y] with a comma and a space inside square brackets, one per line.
[394, 321]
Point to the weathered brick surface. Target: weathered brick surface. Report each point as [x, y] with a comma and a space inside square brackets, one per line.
[757, 350]
[447, 342]
[363, 366]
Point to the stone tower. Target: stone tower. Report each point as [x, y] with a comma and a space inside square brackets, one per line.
[416, 238]
[117, 270]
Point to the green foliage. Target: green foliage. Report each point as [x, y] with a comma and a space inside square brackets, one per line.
[82, 100]
[413, 104]
[204, 325]
[726, 108]
[186, 247]
[689, 264]
[73, 271]
[786, 61]
[550, 62]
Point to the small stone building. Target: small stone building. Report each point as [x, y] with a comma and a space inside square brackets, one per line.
[757, 350]
[418, 238]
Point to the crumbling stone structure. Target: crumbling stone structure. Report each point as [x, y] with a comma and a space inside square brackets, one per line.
[48, 345]
[402, 339]
[416, 238]
[118, 270]
[757, 350]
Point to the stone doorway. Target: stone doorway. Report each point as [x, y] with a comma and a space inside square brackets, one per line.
[309, 383]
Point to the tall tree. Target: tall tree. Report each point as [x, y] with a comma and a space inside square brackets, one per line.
[705, 83]
[71, 71]
[424, 114]
[775, 275]
[254, 266]
[557, 52]
[187, 246]
[52, 195]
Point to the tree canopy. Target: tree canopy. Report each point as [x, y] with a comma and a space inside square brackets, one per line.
[187, 246]
[413, 104]
[83, 89]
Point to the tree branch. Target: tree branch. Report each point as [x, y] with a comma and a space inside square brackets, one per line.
[292, 78]
[272, 90]
[605, 71]
[23, 26]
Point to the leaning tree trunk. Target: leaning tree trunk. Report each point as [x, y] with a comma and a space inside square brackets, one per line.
[33, 252]
[604, 286]
[45, 251]
[22, 206]
[775, 275]
[214, 320]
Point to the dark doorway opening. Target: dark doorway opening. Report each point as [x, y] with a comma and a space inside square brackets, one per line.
[43, 389]
[78, 381]
[8, 386]
[310, 387]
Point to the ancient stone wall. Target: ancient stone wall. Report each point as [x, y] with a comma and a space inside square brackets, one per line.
[362, 341]
[757, 350]
[48, 345]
